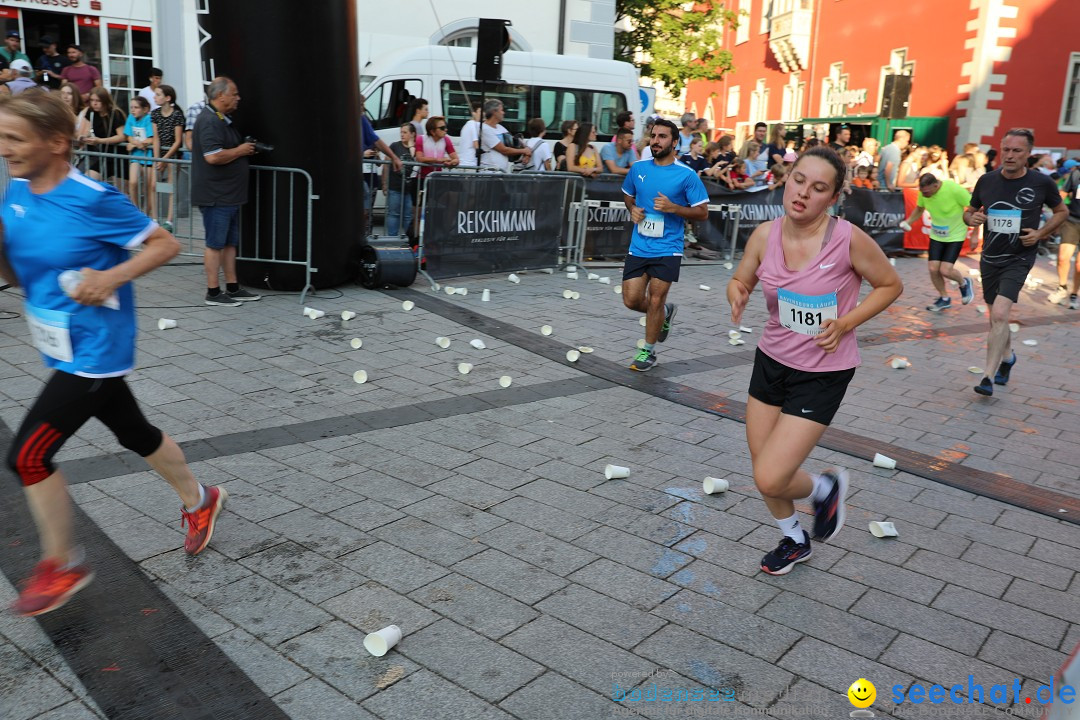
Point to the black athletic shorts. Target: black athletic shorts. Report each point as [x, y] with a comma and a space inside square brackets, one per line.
[1004, 280]
[664, 268]
[812, 395]
[946, 252]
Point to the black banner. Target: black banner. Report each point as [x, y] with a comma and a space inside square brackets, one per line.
[754, 208]
[877, 214]
[607, 229]
[478, 224]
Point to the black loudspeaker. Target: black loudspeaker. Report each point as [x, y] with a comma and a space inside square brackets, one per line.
[895, 96]
[386, 266]
[491, 42]
[327, 26]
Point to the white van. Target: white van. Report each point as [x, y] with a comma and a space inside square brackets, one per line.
[552, 87]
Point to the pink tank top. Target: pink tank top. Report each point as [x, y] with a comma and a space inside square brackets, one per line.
[799, 301]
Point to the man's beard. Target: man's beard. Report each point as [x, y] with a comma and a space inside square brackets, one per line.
[663, 153]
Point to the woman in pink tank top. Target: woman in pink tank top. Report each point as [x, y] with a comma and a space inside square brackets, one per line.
[811, 267]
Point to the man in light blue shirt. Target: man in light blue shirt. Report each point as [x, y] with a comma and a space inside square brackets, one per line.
[618, 155]
[661, 195]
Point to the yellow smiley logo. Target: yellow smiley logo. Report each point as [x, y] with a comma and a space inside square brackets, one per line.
[862, 693]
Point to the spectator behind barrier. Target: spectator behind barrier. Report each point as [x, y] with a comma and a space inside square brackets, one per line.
[541, 154]
[24, 77]
[142, 142]
[467, 144]
[169, 127]
[704, 131]
[102, 130]
[777, 175]
[150, 91]
[83, 76]
[568, 128]
[581, 157]
[862, 178]
[399, 184]
[911, 167]
[435, 147]
[618, 156]
[643, 148]
[868, 156]
[417, 114]
[774, 149]
[686, 133]
[496, 141]
[754, 167]
[695, 159]
[890, 158]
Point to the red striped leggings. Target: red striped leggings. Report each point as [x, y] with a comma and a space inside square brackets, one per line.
[65, 404]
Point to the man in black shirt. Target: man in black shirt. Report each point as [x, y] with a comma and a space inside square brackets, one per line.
[219, 186]
[50, 64]
[843, 137]
[1009, 201]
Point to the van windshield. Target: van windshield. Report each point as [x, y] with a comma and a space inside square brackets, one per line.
[524, 102]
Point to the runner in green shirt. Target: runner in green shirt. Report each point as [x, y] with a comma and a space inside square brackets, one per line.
[946, 201]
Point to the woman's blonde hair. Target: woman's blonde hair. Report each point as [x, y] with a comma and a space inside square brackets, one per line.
[47, 113]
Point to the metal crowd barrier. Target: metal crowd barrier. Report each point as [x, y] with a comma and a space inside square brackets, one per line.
[163, 191]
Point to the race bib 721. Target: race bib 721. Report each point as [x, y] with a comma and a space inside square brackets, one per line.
[652, 225]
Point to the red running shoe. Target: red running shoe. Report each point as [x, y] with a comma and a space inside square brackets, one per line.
[200, 523]
[50, 587]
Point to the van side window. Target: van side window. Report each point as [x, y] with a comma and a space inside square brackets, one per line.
[523, 102]
[385, 105]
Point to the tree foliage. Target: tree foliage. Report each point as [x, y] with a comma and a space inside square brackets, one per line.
[674, 41]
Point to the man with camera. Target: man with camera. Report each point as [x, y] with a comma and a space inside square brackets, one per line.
[498, 145]
[219, 186]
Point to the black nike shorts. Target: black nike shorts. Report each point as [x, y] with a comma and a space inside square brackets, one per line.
[664, 268]
[812, 395]
[946, 252]
[1005, 280]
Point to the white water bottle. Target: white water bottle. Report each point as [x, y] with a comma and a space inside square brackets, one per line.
[71, 279]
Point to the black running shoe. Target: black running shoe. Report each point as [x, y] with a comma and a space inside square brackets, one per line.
[829, 513]
[643, 361]
[669, 314]
[985, 387]
[787, 553]
[1002, 375]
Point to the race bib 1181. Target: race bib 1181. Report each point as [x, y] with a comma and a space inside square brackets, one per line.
[805, 314]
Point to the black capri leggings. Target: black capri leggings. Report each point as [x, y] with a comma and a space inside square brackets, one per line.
[65, 404]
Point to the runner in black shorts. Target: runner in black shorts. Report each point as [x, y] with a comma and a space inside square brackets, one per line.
[945, 201]
[1009, 201]
[661, 194]
[811, 267]
[56, 221]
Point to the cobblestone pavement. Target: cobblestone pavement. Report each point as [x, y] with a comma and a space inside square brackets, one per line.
[478, 518]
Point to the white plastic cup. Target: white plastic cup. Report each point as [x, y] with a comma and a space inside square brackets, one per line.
[571, 268]
[617, 290]
[379, 643]
[616, 472]
[743, 328]
[604, 280]
[1031, 343]
[464, 368]
[892, 261]
[975, 370]
[461, 291]
[573, 355]
[571, 276]
[315, 314]
[592, 276]
[728, 266]
[308, 311]
[905, 226]
[513, 278]
[714, 485]
[408, 305]
[1014, 327]
[166, 324]
[568, 294]
[882, 529]
[981, 309]
[642, 321]
[356, 343]
[546, 330]
[703, 287]
[360, 377]
[640, 343]
[450, 290]
[347, 315]
[734, 334]
[505, 381]
[973, 271]
[883, 461]
[485, 296]
[443, 342]
[899, 363]
[478, 344]
[584, 349]
[736, 341]
[548, 271]
[575, 295]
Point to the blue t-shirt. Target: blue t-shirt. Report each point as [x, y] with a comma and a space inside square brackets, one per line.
[368, 136]
[610, 152]
[79, 223]
[141, 129]
[681, 185]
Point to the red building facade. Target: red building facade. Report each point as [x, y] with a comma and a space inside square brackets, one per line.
[976, 68]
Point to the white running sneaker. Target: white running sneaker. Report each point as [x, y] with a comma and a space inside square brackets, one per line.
[1058, 297]
[1074, 303]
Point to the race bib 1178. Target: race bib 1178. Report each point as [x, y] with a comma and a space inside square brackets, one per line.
[1006, 222]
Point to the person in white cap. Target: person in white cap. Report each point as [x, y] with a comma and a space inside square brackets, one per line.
[24, 77]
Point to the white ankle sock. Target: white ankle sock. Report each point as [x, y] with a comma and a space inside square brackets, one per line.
[822, 486]
[202, 499]
[790, 527]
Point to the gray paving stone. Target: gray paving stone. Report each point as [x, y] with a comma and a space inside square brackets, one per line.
[383, 488]
[371, 606]
[657, 528]
[535, 547]
[716, 665]
[335, 654]
[195, 575]
[492, 671]
[454, 516]
[875, 573]
[734, 556]
[553, 697]
[545, 518]
[308, 574]
[989, 534]
[892, 508]
[1065, 605]
[474, 605]
[264, 609]
[309, 491]
[828, 624]
[497, 474]
[1040, 526]
[624, 583]
[575, 476]
[713, 521]
[141, 538]
[208, 621]
[1072, 639]
[72, 711]
[634, 551]
[976, 508]
[752, 633]
[315, 699]
[106, 510]
[422, 538]
[469, 491]
[635, 496]
[833, 668]
[426, 695]
[939, 664]
[1037, 571]
[576, 654]
[585, 504]
[271, 672]
[26, 690]
[1024, 658]
[983, 580]
[318, 533]
[1002, 615]
[511, 576]
[395, 568]
[1055, 553]
[235, 537]
[367, 515]
[722, 584]
[609, 619]
[255, 503]
[916, 619]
